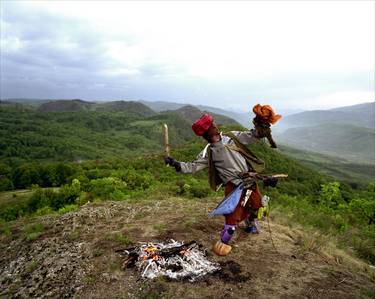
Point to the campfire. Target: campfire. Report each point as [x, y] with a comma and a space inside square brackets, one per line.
[172, 259]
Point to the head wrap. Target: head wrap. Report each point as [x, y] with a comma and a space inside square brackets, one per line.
[201, 125]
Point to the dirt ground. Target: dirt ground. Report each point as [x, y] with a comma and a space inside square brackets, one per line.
[74, 256]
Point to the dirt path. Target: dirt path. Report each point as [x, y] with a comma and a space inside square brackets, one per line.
[74, 256]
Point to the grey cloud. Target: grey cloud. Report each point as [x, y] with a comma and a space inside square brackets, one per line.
[45, 68]
[44, 38]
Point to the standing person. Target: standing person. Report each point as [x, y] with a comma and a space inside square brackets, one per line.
[234, 166]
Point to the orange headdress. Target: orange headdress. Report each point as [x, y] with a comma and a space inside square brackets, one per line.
[266, 113]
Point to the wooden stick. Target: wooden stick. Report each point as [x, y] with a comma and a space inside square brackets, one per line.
[166, 140]
[280, 175]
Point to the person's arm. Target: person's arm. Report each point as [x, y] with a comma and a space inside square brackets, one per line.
[200, 163]
[247, 137]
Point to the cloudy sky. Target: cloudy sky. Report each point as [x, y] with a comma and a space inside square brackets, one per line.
[291, 54]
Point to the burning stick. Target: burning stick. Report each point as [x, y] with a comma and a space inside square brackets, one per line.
[166, 140]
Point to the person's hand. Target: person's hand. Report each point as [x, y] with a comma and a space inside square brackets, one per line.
[270, 181]
[262, 128]
[173, 162]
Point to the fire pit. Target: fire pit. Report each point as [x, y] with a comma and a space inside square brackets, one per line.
[172, 259]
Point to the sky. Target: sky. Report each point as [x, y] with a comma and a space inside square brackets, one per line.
[290, 54]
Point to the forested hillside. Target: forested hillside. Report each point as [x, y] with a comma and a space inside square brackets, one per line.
[29, 134]
[353, 143]
[352, 172]
[346, 133]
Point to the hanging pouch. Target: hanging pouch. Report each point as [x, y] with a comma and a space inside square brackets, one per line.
[229, 203]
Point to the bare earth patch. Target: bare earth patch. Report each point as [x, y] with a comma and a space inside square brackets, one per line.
[74, 256]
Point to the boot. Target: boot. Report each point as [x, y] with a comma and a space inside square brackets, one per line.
[221, 249]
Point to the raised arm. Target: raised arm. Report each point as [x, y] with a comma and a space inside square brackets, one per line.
[247, 137]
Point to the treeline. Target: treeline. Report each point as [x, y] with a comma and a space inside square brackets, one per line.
[28, 135]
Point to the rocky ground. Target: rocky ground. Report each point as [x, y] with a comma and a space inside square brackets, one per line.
[73, 256]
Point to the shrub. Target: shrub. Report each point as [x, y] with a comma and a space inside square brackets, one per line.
[135, 179]
[105, 187]
[44, 211]
[67, 209]
[330, 195]
[5, 183]
[363, 210]
[199, 190]
[41, 198]
[12, 212]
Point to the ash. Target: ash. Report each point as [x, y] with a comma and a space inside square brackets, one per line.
[172, 259]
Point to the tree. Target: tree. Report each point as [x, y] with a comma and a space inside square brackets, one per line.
[330, 195]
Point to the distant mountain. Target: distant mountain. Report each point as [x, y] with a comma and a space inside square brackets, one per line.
[129, 106]
[244, 118]
[26, 101]
[159, 106]
[188, 112]
[332, 165]
[346, 132]
[241, 118]
[66, 106]
[362, 115]
[192, 113]
[341, 140]
[364, 108]
[136, 108]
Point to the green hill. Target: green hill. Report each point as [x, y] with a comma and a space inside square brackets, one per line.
[191, 113]
[242, 118]
[128, 106]
[362, 115]
[353, 143]
[337, 167]
[29, 134]
[76, 131]
[65, 105]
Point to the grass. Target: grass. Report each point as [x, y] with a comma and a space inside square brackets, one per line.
[6, 230]
[14, 197]
[312, 242]
[32, 266]
[67, 209]
[34, 231]
[119, 238]
[97, 252]
[191, 221]
[322, 226]
[89, 279]
[141, 215]
[74, 235]
[160, 227]
[114, 266]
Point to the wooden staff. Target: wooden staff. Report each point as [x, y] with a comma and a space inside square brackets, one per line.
[166, 140]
